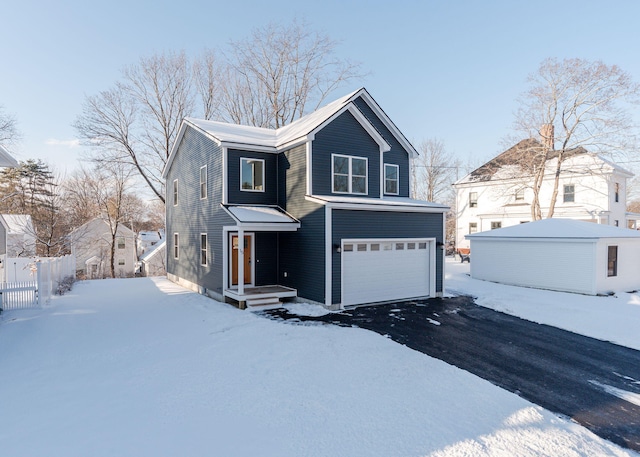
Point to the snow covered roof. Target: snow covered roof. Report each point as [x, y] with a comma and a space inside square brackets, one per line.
[386, 201]
[246, 215]
[6, 159]
[149, 235]
[153, 251]
[272, 140]
[18, 223]
[558, 228]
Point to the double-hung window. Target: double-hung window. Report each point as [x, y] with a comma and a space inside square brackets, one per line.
[121, 243]
[349, 174]
[473, 199]
[203, 249]
[569, 193]
[252, 175]
[203, 182]
[175, 192]
[176, 245]
[391, 173]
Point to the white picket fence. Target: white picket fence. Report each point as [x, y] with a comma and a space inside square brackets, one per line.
[28, 283]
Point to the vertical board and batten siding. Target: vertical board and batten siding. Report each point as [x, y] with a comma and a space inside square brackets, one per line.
[193, 216]
[628, 277]
[561, 265]
[344, 135]
[353, 224]
[397, 155]
[236, 195]
[302, 253]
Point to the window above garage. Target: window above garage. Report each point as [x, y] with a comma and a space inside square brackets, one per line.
[349, 174]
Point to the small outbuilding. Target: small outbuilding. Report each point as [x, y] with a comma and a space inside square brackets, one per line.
[559, 254]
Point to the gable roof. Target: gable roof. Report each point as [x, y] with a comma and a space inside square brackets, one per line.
[18, 223]
[6, 159]
[557, 229]
[155, 249]
[523, 154]
[297, 132]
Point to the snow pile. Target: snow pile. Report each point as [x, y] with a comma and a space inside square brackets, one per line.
[141, 366]
[613, 318]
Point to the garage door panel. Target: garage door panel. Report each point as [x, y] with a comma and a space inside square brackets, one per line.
[385, 274]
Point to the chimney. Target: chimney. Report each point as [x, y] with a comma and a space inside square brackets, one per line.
[546, 135]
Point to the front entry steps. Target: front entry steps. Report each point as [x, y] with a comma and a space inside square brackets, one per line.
[260, 304]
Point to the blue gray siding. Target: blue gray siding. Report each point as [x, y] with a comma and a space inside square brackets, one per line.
[193, 216]
[237, 196]
[397, 155]
[302, 252]
[382, 224]
[344, 136]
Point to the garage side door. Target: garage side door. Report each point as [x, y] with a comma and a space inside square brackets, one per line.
[383, 270]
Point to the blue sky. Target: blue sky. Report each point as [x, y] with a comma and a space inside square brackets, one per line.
[446, 69]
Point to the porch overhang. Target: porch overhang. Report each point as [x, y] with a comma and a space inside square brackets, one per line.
[262, 218]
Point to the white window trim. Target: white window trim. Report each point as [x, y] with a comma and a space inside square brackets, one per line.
[175, 192]
[350, 175]
[204, 248]
[264, 184]
[205, 182]
[176, 245]
[397, 180]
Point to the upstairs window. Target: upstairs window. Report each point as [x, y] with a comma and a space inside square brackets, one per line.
[519, 194]
[175, 192]
[569, 193]
[176, 244]
[349, 174]
[473, 227]
[616, 189]
[391, 173]
[252, 175]
[120, 242]
[473, 199]
[203, 182]
[612, 261]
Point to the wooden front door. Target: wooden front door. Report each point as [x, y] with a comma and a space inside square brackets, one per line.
[247, 259]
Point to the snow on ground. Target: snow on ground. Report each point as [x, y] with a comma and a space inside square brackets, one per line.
[134, 367]
[613, 318]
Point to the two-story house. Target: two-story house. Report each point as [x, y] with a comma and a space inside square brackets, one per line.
[318, 209]
[500, 194]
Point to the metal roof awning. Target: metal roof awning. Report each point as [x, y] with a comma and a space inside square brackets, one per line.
[272, 218]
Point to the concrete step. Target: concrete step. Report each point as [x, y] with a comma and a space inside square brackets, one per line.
[264, 303]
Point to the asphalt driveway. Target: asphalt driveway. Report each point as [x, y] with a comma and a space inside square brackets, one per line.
[593, 382]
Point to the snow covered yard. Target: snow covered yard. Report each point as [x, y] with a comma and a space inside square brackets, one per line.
[141, 366]
[613, 318]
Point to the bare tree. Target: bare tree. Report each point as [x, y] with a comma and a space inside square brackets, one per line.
[433, 171]
[278, 71]
[8, 128]
[575, 105]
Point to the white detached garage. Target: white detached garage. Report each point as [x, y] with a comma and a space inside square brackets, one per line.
[559, 254]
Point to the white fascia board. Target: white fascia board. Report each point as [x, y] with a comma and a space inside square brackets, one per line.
[376, 207]
[225, 176]
[263, 226]
[474, 238]
[328, 262]
[387, 122]
[309, 160]
[362, 120]
[174, 148]
[248, 147]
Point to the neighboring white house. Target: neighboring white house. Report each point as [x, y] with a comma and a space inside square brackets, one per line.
[153, 262]
[147, 239]
[91, 244]
[559, 254]
[17, 235]
[495, 195]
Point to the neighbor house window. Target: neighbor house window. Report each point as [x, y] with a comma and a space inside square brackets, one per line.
[203, 182]
[612, 263]
[569, 193]
[120, 242]
[120, 262]
[203, 249]
[520, 194]
[175, 192]
[473, 199]
[252, 175]
[176, 245]
[617, 192]
[496, 225]
[349, 174]
[473, 227]
[391, 173]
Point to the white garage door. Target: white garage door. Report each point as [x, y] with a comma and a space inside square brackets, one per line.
[382, 270]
